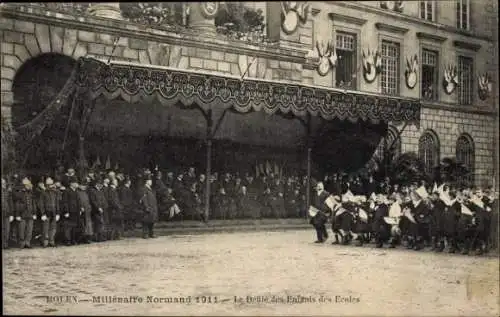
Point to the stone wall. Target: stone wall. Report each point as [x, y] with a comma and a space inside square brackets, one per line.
[448, 126]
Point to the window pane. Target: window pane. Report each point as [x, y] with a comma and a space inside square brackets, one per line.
[422, 9]
[428, 152]
[346, 60]
[465, 156]
[465, 80]
[390, 68]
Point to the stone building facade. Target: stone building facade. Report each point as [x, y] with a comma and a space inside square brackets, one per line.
[29, 30]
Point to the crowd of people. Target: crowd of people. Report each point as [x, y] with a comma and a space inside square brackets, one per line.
[101, 205]
[443, 217]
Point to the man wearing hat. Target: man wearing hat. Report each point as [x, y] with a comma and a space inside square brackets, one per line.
[419, 208]
[322, 212]
[127, 199]
[85, 228]
[380, 228]
[116, 211]
[25, 209]
[70, 174]
[71, 212]
[7, 214]
[99, 205]
[51, 213]
[149, 208]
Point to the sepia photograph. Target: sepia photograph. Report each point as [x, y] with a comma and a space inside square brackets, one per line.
[279, 158]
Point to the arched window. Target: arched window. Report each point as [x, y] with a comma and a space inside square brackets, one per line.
[465, 156]
[390, 143]
[428, 151]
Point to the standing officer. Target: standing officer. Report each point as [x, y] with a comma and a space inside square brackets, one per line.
[71, 219]
[321, 217]
[25, 212]
[50, 215]
[85, 219]
[99, 205]
[149, 208]
[7, 215]
[116, 208]
[127, 200]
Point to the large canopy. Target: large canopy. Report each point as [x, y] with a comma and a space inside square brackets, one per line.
[135, 82]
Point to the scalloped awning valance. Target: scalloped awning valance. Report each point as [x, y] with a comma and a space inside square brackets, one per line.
[134, 82]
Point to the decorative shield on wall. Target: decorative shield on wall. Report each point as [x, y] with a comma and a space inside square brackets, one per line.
[209, 9]
[411, 72]
[450, 80]
[291, 14]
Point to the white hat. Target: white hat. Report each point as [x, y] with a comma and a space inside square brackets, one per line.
[422, 192]
[26, 181]
[361, 198]
[49, 181]
[347, 197]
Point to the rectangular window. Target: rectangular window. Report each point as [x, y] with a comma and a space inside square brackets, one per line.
[345, 71]
[389, 77]
[465, 80]
[463, 14]
[427, 10]
[430, 75]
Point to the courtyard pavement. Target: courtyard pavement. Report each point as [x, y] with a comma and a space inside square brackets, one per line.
[246, 273]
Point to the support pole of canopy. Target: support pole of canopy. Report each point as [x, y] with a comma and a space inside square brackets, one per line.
[309, 150]
[209, 163]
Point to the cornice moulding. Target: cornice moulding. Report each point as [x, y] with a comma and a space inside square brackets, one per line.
[432, 37]
[467, 45]
[403, 17]
[391, 28]
[346, 18]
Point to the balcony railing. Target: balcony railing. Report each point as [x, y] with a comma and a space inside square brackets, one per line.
[234, 23]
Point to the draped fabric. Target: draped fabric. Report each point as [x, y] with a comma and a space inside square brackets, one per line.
[32, 129]
[136, 83]
[139, 82]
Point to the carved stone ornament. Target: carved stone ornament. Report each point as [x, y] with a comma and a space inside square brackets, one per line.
[372, 63]
[485, 86]
[450, 80]
[411, 71]
[209, 9]
[292, 13]
[397, 6]
[327, 57]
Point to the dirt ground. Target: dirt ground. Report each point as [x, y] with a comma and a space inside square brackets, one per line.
[258, 273]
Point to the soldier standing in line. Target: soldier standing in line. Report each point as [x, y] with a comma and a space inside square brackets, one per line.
[25, 208]
[7, 215]
[116, 208]
[99, 205]
[85, 229]
[71, 209]
[149, 208]
[127, 199]
[51, 213]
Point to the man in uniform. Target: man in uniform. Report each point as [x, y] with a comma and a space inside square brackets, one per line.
[128, 202]
[319, 220]
[99, 205]
[85, 221]
[149, 208]
[116, 211]
[25, 208]
[7, 215]
[51, 213]
[71, 216]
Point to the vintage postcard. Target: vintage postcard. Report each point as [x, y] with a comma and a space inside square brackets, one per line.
[312, 158]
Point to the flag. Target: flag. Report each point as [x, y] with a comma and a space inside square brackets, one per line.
[330, 202]
[108, 163]
[395, 210]
[363, 215]
[422, 192]
[466, 211]
[408, 215]
[391, 220]
[340, 211]
[313, 211]
[435, 188]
